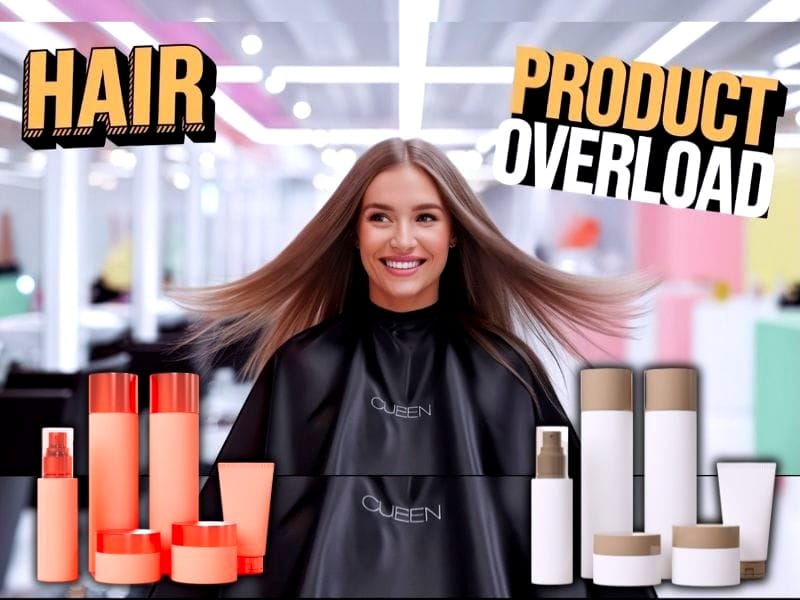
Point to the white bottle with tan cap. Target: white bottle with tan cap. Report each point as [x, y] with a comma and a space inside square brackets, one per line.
[670, 455]
[551, 515]
[606, 456]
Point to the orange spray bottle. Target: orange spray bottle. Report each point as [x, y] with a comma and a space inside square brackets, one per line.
[57, 509]
[174, 455]
[113, 455]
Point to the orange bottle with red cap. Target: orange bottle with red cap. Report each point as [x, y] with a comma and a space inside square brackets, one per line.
[174, 454]
[113, 455]
[57, 509]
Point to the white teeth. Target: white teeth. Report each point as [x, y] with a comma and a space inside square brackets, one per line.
[403, 265]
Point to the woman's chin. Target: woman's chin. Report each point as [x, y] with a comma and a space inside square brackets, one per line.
[409, 292]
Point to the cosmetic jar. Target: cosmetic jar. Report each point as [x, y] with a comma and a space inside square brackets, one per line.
[705, 555]
[128, 556]
[627, 559]
[204, 552]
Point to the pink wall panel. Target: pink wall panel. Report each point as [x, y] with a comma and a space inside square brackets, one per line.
[689, 245]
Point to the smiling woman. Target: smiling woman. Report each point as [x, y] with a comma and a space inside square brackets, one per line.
[404, 234]
[388, 353]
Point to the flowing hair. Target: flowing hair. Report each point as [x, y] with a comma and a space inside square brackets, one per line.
[492, 287]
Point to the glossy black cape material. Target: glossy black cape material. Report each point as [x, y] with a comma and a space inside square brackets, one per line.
[404, 454]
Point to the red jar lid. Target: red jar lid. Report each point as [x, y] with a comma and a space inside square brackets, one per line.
[113, 393]
[174, 393]
[128, 541]
[204, 533]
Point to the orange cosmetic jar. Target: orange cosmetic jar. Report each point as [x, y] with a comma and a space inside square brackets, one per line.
[128, 556]
[204, 552]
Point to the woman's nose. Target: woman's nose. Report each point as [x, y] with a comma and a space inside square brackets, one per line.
[403, 238]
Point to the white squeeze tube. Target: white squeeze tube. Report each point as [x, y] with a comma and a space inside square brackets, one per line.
[746, 491]
[670, 455]
[606, 457]
[551, 515]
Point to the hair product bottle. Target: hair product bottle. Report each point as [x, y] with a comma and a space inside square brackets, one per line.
[174, 454]
[57, 509]
[551, 515]
[670, 455]
[113, 455]
[606, 457]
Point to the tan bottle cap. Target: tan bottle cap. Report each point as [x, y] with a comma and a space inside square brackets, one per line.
[606, 389]
[627, 544]
[705, 536]
[753, 569]
[670, 389]
[550, 462]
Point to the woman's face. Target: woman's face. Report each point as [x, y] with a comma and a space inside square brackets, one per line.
[404, 235]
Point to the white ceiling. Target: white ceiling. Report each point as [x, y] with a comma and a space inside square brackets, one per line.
[468, 33]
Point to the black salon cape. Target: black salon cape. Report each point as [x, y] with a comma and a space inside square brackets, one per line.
[403, 455]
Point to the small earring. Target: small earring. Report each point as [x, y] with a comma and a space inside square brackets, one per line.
[453, 244]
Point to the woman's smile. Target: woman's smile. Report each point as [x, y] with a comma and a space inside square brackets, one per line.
[402, 266]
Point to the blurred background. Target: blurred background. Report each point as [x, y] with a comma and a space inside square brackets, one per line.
[92, 240]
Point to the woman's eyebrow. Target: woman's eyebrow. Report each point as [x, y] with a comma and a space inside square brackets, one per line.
[379, 206]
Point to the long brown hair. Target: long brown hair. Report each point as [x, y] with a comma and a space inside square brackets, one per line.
[492, 286]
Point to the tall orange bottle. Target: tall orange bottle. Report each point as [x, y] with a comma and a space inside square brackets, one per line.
[57, 509]
[174, 455]
[113, 455]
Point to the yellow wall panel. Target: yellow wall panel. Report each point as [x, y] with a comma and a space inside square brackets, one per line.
[772, 254]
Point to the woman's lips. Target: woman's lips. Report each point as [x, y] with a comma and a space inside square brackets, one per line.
[402, 267]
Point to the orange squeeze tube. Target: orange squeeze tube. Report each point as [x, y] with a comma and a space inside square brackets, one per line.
[57, 509]
[113, 455]
[174, 455]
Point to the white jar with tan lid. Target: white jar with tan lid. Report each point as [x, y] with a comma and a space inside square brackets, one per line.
[670, 454]
[705, 555]
[627, 559]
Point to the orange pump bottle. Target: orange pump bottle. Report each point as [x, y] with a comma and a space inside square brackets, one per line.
[113, 455]
[174, 455]
[57, 509]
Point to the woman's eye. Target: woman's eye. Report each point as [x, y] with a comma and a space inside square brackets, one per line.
[378, 218]
[426, 218]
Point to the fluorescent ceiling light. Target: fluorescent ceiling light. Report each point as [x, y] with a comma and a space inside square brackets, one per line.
[128, 33]
[8, 84]
[747, 72]
[301, 109]
[35, 10]
[251, 44]
[469, 74]
[237, 117]
[367, 137]
[336, 74]
[787, 58]
[33, 35]
[787, 76]
[390, 74]
[11, 111]
[274, 85]
[777, 11]
[675, 41]
[414, 17]
[787, 140]
[239, 74]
